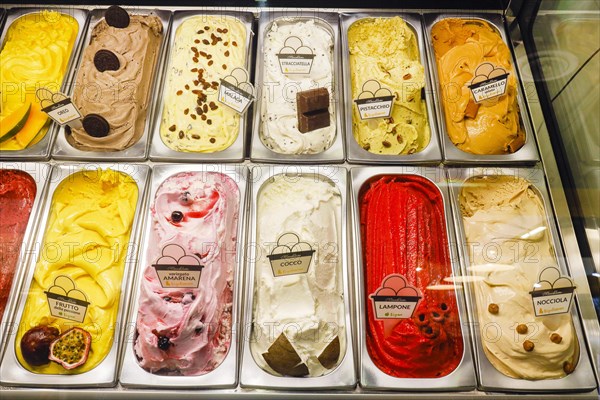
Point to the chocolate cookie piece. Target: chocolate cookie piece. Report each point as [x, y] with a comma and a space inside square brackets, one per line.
[95, 125]
[313, 120]
[117, 17]
[106, 60]
[312, 106]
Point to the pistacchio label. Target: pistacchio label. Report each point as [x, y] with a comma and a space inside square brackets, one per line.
[66, 301]
[176, 269]
[374, 101]
[291, 256]
[552, 294]
[58, 106]
[294, 57]
[489, 82]
[235, 90]
[395, 298]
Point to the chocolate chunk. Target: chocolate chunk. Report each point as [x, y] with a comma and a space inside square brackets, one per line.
[117, 17]
[106, 60]
[329, 357]
[313, 120]
[95, 125]
[284, 359]
[312, 100]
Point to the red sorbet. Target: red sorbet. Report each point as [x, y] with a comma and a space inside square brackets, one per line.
[403, 231]
[17, 193]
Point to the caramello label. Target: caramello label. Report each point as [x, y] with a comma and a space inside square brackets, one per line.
[235, 90]
[374, 101]
[66, 301]
[552, 294]
[291, 256]
[490, 81]
[294, 57]
[176, 269]
[395, 298]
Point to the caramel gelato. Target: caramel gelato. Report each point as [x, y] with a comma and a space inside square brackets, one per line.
[119, 95]
[491, 126]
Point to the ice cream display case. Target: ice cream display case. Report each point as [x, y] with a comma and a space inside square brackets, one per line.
[339, 200]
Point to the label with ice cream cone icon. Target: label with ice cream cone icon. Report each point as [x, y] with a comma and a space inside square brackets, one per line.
[59, 107]
[395, 298]
[235, 90]
[374, 101]
[291, 256]
[489, 82]
[176, 269]
[552, 294]
[294, 57]
[66, 301]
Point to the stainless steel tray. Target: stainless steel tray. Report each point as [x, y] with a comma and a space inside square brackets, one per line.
[63, 150]
[343, 375]
[42, 149]
[335, 153]
[432, 153]
[371, 377]
[104, 374]
[582, 379]
[528, 154]
[226, 374]
[40, 174]
[234, 153]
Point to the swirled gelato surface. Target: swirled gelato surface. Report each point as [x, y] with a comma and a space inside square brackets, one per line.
[509, 245]
[279, 121]
[305, 310]
[492, 126]
[35, 54]
[84, 249]
[206, 49]
[121, 96]
[386, 50]
[17, 193]
[198, 212]
[403, 232]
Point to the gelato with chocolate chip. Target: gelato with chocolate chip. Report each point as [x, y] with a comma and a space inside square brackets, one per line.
[206, 49]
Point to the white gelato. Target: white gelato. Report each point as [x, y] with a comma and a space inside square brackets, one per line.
[279, 121]
[307, 308]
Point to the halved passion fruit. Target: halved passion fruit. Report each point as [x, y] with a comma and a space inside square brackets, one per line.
[71, 349]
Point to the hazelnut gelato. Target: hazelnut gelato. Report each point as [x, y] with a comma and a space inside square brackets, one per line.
[509, 245]
[115, 88]
[489, 127]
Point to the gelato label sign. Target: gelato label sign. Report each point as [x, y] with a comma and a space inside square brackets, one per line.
[291, 256]
[374, 101]
[176, 269]
[66, 301]
[294, 57]
[395, 298]
[235, 90]
[58, 106]
[552, 294]
[489, 82]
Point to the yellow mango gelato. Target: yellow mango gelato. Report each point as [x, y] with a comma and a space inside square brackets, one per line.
[83, 257]
[35, 55]
[206, 49]
[386, 50]
[489, 127]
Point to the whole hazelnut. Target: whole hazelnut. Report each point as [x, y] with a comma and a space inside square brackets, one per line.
[568, 367]
[556, 338]
[522, 329]
[493, 308]
[528, 345]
